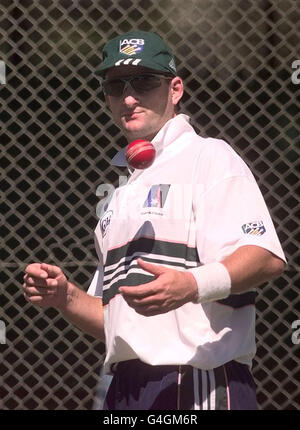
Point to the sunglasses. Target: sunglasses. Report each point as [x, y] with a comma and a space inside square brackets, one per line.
[140, 83]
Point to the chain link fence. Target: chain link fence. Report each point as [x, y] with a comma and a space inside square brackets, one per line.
[236, 58]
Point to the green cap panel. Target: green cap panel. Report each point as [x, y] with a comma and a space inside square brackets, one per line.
[138, 48]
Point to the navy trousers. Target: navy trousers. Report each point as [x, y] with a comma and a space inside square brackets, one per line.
[139, 386]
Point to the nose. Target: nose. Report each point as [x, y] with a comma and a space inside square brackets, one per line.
[130, 96]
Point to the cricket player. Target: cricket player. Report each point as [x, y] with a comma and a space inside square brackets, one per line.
[182, 249]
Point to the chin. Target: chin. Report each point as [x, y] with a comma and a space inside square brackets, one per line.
[134, 132]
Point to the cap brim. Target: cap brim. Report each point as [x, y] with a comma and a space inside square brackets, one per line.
[151, 66]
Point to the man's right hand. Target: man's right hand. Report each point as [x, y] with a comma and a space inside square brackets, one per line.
[46, 286]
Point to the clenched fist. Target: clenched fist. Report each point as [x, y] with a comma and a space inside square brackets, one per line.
[45, 285]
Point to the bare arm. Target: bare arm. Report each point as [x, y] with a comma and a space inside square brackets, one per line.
[85, 312]
[251, 266]
[46, 286]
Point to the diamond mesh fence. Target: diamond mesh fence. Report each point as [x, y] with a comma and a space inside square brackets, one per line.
[236, 58]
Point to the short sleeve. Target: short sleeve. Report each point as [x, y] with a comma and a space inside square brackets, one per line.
[96, 286]
[232, 213]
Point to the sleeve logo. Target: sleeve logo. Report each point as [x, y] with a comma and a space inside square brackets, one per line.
[256, 228]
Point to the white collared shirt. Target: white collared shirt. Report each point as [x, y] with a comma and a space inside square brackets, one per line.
[196, 204]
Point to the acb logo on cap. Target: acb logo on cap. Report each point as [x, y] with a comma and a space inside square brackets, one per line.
[131, 46]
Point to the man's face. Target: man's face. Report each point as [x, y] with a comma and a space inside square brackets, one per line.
[140, 115]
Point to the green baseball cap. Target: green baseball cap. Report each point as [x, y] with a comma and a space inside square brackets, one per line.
[138, 48]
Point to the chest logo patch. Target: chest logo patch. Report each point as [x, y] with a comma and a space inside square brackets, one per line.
[157, 196]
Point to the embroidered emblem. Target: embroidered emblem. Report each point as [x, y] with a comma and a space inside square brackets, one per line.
[256, 228]
[131, 46]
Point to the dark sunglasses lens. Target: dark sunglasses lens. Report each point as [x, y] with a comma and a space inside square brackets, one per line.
[114, 88]
[140, 84]
[145, 83]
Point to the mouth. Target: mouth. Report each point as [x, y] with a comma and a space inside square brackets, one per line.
[131, 115]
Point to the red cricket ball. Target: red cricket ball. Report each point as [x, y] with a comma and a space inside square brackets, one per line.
[140, 154]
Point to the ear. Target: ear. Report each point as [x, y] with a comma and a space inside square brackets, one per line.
[107, 101]
[176, 89]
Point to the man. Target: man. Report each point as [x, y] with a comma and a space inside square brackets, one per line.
[181, 248]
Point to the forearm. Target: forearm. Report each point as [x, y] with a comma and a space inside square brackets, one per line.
[84, 311]
[251, 266]
[246, 268]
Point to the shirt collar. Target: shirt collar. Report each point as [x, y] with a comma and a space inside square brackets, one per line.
[166, 135]
[120, 158]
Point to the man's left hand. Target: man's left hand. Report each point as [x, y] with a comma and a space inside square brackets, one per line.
[170, 290]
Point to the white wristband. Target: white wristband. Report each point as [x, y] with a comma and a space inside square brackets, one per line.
[213, 281]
